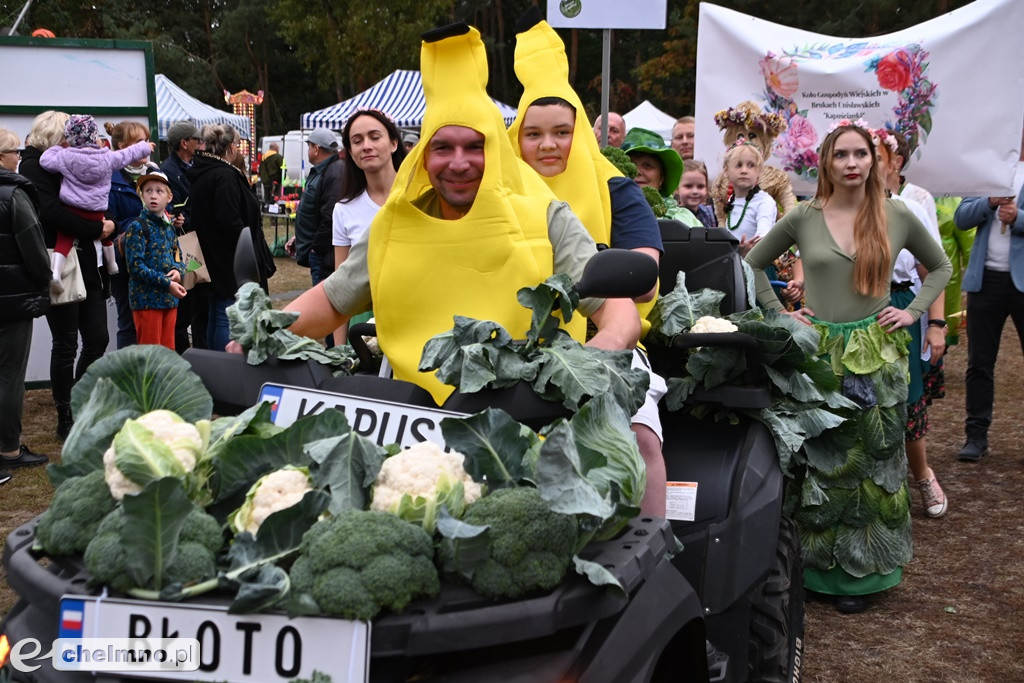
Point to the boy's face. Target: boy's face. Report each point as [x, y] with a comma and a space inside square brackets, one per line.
[156, 196]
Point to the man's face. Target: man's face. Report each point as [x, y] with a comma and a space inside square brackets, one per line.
[616, 129]
[454, 162]
[312, 152]
[188, 147]
[682, 139]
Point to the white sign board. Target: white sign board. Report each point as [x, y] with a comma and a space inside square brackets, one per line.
[607, 14]
[954, 86]
[113, 83]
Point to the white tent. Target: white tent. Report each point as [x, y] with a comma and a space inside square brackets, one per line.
[174, 104]
[646, 115]
[400, 96]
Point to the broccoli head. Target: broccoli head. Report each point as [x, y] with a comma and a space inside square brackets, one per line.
[194, 559]
[79, 505]
[530, 547]
[620, 160]
[358, 563]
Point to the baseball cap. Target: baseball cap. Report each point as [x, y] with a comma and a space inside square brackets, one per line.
[152, 175]
[321, 137]
[180, 130]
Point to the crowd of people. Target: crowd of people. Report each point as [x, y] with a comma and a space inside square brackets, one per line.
[501, 209]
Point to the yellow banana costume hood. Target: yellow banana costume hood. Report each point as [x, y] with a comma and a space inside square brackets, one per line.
[424, 269]
[543, 69]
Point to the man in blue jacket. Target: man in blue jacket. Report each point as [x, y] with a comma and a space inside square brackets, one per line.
[994, 282]
[314, 216]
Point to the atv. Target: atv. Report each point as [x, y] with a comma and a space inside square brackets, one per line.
[727, 607]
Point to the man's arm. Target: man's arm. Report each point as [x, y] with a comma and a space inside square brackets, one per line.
[335, 300]
[973, 212]
[618, 325]
[617, 321]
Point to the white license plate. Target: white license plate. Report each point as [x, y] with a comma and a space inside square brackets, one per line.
[232, 647]
[382, 422]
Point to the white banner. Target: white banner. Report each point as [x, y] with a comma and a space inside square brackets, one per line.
[954, 86]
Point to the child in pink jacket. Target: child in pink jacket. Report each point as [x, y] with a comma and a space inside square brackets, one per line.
[87, 168]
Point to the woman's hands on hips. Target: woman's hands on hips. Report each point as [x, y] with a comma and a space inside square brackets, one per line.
[892, 319]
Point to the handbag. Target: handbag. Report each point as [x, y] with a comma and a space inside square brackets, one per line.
[195, 263]
[71, 278]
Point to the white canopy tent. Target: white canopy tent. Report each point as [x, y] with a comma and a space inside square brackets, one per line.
[400, 96]
[174, 104]
[646, 115]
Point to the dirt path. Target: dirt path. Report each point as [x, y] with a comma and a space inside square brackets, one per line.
[958, 615]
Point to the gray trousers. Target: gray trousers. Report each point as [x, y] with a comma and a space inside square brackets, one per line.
[15, 342]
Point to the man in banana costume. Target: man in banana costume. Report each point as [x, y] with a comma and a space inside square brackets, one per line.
[466, 226]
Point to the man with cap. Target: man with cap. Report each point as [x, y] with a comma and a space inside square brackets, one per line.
[314, 217]
[409, 140]
[182, 141]
[467, 225]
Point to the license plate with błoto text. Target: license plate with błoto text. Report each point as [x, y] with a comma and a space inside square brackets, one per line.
[232, 647]
[382, 422]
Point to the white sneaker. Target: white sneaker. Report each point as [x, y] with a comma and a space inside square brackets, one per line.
[933, 497]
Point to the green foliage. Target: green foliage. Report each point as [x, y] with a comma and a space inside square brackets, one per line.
[529, 547]
[155, 539]
[476, 354]
[79, 505]
[123, 385]
[343, 43]
[263, 333]
[620, 160]
[358, 563]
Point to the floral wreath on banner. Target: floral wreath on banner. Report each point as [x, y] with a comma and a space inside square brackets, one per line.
[902, 70]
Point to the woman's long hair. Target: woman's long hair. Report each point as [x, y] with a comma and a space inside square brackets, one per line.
[872, 268]
[353, 181]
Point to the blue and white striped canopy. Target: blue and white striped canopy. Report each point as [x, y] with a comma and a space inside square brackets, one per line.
[174, 104]
[400, 96]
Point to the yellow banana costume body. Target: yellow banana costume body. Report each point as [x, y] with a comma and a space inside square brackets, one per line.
[543, 69]
[424, 269]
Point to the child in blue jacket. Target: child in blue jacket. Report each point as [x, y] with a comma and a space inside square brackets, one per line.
[155, 267]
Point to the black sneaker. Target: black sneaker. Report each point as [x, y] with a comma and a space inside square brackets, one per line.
[5, 477]
[973, 450]
[25, 458]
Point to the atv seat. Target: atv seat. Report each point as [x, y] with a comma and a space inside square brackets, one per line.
[710, 259]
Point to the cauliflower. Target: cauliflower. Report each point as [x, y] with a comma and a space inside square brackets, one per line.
[360, 562]
[711, 324]
[158, 444]
[416, 482]
[275, 491]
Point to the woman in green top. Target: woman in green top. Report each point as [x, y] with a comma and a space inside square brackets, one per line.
[853, 515]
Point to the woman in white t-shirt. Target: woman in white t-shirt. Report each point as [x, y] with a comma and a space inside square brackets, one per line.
[374, 152]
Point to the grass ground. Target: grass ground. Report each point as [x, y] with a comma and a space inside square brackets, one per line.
[956, 617]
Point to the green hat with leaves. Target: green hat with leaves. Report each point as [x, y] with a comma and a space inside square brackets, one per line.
[641, 140]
